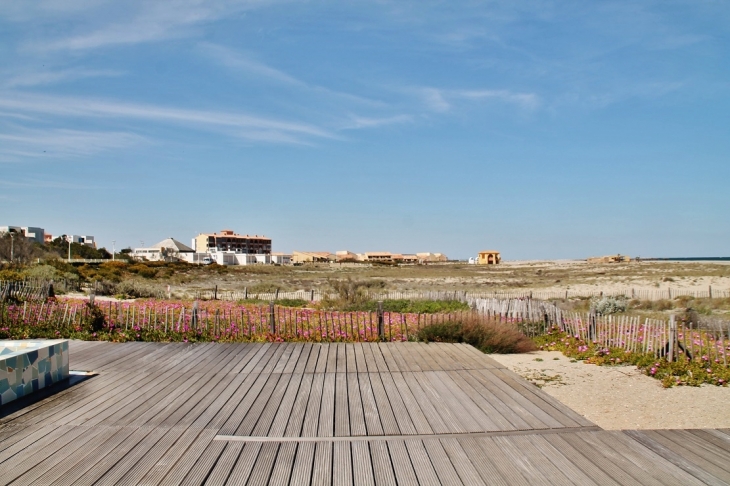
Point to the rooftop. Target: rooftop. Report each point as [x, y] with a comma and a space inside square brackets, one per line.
[230, 233]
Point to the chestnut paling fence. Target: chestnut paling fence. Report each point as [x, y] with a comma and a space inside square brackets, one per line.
[228, 321]
[220, 320]
[318, 295]
[34, 289]
[671, 339]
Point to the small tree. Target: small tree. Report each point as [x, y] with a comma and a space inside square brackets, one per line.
[17, 246]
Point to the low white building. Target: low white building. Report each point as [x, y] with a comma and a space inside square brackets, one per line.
[280, 258]
[225, 258]
[87, 240]
[166, 250]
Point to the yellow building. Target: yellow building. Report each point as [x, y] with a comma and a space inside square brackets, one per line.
[489, 257]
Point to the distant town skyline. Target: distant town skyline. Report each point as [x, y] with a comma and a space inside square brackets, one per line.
[543, 130]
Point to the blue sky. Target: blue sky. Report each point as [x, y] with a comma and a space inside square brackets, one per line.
[543, 129]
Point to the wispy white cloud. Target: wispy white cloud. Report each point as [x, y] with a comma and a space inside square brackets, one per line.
[237, 61]
[356, 122]
[37, 143]
[435, 99]
[51, 77]
[604, 96]
[155, 21]
[525, 100]
[246, 126]
[246, 63]
[43, 183]
[443, 100]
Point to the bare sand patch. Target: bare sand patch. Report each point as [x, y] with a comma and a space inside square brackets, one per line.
[620, 397]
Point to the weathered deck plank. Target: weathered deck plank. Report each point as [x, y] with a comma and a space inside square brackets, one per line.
[362, 413]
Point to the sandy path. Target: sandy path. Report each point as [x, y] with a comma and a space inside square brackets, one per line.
[617, 398]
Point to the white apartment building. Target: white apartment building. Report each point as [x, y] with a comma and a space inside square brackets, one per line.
[31, 232]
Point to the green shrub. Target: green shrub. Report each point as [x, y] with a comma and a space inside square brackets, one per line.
[10, 275]
[402, 306]
[609, 305]
[42, 272]
[136, 289]
[652, 305]
[143, 270]
[292, 302]
[93, 320]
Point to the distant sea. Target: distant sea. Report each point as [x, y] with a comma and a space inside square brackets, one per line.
[689, 259]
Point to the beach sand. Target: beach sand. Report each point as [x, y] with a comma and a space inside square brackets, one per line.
[620, 397]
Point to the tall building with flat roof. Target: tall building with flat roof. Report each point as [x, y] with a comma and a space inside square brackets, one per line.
[228, 241]
[30, 232]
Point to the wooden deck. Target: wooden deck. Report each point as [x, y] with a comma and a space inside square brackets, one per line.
[293, 413]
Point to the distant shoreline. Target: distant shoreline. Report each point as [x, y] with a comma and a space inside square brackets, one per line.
[687, 259]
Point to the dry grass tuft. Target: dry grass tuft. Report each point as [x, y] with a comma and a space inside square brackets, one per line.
[488, 336]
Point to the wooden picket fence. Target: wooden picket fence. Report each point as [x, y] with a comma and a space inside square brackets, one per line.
[218, 320]
[33, 289]
[464, 296]
[701, 341]
[24, 290]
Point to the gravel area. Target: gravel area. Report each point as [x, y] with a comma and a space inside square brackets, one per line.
[620, 397]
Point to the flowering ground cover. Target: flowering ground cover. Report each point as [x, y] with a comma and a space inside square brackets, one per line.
[178, 320]
[707, 366]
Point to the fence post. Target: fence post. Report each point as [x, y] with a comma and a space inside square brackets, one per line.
[311, 295]
[272, 318]
[672, 338]
[709, 289]
[381, 321]
[245, 293]
[592, 334]
[276, 294]
[51, 293]
[194, 317]
[215, 293]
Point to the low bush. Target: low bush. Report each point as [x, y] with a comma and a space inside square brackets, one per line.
[10, 275]
[135, 289]
[42, 272]
[292, 302]
[609, 305]
[143, 270]
[93, 320]
[652, 305]
[485, 335]
[404, 306]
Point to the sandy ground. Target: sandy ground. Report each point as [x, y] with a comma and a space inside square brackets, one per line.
[616, 398]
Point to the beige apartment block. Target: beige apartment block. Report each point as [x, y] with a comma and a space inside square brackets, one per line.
[431, 257]
[229, 241]
[344, 255]
[311, 256]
